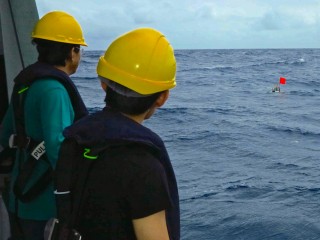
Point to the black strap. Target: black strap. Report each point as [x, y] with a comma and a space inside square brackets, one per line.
[7, 157]
[80, 191]
[71, 174]
[39, 186]
[22, 143]
[18, 99]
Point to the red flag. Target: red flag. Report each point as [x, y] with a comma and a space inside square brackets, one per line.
[282, 80]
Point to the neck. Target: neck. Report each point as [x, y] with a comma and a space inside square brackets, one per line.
[137, 118]
[64, 69]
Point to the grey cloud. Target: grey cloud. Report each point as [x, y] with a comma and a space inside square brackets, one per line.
[270, 21]
[142, 16]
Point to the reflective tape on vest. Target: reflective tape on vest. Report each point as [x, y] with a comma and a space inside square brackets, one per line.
[39, 150]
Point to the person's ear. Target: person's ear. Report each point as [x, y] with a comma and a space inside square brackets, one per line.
[74, 53]
[103, 85]
[162, 98]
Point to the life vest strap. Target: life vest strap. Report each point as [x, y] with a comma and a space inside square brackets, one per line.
[37, 153]
[19, 141]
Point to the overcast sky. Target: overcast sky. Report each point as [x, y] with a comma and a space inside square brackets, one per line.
[199, 24]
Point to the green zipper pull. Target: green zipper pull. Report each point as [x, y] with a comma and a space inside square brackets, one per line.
[85, 154]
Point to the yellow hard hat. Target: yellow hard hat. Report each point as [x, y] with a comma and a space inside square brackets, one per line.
[141, 60]
[59, 26]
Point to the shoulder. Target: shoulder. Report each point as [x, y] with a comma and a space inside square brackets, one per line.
[48, 88]
[140, 156]
[47, 84]
[50, 97]
[134, 161]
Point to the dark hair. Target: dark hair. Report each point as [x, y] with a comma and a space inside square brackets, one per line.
[129, 105]
[54, 53]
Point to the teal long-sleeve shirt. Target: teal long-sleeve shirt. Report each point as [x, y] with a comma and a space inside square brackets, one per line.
[48, 110]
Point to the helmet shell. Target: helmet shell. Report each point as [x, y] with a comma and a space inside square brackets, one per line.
[59, 26]
[142, 60]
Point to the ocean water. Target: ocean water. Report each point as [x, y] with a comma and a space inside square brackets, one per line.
[247, 160]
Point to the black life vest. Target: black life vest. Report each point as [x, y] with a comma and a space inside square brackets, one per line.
[98, 132]
[21, 141]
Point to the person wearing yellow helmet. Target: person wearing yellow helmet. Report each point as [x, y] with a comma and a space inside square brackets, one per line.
[44, 101]
[130, 191]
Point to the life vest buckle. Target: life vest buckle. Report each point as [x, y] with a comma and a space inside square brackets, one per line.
[16, 141]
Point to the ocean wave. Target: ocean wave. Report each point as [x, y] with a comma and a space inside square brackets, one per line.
[312, 85]
[196, 110]
[200, 136]
[294, 130]
[298, 62]
[208, 69]
[302, 93]
[83, 78]
[298, 190]
[254, 226]
[92, 54]
[247, 192]
[237, 187]
[89, 61]
[185, 109]
[241, 184]
[182, 56]
[173, 110]
[199, 196]
[227, 68]
[285, 166]
[92, 110]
